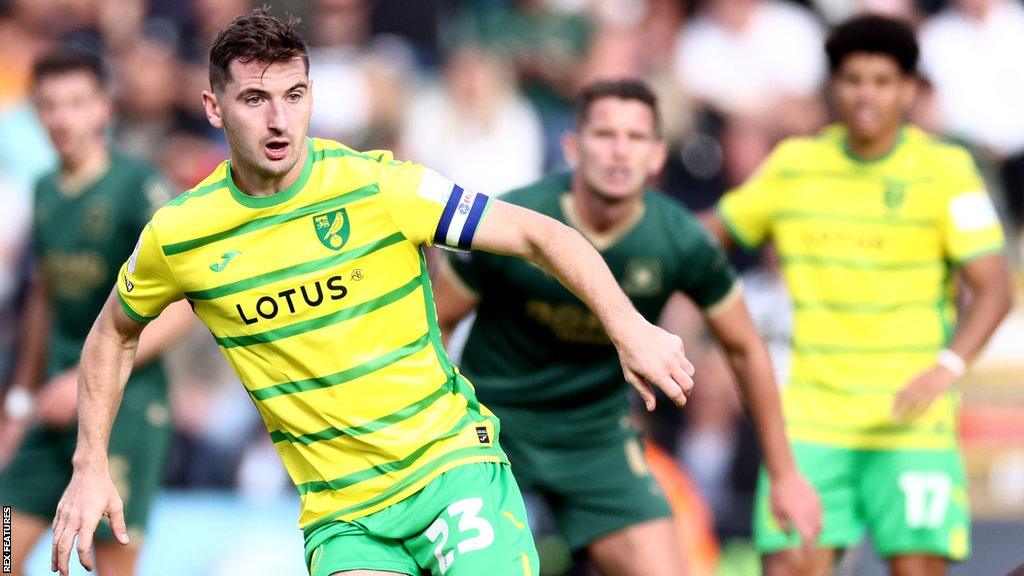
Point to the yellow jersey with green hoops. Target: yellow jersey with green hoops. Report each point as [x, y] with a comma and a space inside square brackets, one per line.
[319, 297]
[868, 251]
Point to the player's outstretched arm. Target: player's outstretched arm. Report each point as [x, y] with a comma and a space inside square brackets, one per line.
[988, 279]
[649, 355]
[794, 502]
[104, 369]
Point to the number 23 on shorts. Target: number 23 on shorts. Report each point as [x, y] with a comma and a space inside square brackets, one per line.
[472, 532]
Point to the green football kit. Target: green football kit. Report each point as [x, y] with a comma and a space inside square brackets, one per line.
[79, 240]
[543, 363]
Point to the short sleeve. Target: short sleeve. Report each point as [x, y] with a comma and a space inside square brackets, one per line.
[429, 208]
[146, 284]
[747, 210]
[708, 277]
[970, 226]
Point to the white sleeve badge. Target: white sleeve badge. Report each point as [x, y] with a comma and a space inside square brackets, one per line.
[972, 211]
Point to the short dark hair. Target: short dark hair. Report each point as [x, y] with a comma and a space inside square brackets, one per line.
[257, 36]
[66, 60]
[625, 89]
[873, 34]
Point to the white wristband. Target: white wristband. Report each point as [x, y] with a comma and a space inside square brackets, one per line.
[952, 361]
[19, 403]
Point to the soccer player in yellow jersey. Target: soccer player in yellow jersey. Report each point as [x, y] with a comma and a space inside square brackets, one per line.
[303, 257]
[875, 221]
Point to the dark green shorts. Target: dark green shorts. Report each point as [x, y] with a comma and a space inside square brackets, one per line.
[466, 522]
[911, 501]
[41, 469]
[594, 486]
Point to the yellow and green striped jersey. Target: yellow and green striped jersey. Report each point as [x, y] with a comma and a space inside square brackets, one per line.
[868, 251]
[319, 297]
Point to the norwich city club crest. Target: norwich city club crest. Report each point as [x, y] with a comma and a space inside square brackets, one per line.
[894, 195]
[332, 228]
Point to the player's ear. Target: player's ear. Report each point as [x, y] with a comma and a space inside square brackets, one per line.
[212, 107]
[909, 86]
[570, 148]
[658, 157]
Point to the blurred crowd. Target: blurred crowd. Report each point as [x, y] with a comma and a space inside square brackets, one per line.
[481, 90]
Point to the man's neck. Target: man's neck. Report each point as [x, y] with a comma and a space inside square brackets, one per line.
[77, 171]
[253, 183]
[599, 213]
[873, 149]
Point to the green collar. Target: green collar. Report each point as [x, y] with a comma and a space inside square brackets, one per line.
[277, 197]
[888, 153]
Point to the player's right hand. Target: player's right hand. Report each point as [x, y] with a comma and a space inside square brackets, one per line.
[89, 497]
[650, 356]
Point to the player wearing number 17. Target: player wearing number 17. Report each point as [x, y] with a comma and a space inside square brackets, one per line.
[304, 258]
[873, 221]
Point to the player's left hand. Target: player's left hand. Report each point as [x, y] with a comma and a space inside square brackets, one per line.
[651, 356]
[90, 496]
[796, 507]
[57, 403]
[919, 394]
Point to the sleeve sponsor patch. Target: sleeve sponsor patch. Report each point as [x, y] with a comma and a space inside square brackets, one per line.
[972, 211]
[134, 258]
[460, 218]
[435, 187]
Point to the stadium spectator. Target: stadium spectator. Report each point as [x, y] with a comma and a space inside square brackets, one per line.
[475, 118]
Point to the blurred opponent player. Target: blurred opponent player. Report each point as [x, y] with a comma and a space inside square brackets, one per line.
[303, 256]
[543, 362]
[88, 213]
[873, 221]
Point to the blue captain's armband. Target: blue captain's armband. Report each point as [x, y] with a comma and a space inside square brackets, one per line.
[461, 216]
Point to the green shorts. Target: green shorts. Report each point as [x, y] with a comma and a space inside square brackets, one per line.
[468, 521]
[911, 501]
[41, 469]
[593, 486]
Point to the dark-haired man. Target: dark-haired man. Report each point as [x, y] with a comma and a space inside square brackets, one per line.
[545, 365]
[88, 213]
[873, 220]
[303, 257]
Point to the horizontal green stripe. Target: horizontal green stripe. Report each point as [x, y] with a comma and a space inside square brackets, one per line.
[296, 270]
[845, 389]
[867, 350]
[873, 220]
[331, 433]
[347, 375]
[268, 221]
[827, 261]
[892, 428]
[857, 176]
[404, 483]
[381, 469]
[864, 307]
[132, 313]
[322, 321]
[197, 192]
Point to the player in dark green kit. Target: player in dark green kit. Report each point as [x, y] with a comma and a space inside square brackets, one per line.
[88, 215]
[543, 363]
